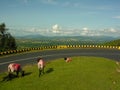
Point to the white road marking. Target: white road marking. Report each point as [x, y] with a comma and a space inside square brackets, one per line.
[30, 58]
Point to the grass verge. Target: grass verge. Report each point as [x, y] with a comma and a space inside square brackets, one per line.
[83, 73]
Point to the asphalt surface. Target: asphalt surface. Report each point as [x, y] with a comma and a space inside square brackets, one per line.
[31, 57]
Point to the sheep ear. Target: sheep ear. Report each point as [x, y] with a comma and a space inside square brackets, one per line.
[38, 60]
[65, 58]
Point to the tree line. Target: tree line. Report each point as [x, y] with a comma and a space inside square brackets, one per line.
[7, 41]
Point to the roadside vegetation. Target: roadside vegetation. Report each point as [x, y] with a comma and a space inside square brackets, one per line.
[36, 43]
[113, 43]
[7, 41]
[83, 73]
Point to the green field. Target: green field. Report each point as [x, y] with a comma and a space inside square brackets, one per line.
[83, 73]
[36, 43]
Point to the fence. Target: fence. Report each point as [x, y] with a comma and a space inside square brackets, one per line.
[58, 47]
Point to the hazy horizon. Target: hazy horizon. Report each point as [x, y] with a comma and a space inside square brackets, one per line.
[61, 17]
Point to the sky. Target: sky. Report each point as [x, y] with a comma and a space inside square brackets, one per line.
[61, 17]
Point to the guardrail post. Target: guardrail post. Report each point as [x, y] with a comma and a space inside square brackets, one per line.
[119, 47]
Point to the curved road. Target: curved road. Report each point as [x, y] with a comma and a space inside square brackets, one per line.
[30, 58]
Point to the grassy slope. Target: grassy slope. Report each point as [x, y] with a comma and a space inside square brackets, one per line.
[83, 73]
[113, 43]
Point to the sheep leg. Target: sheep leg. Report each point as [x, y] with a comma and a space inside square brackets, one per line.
[17, 73]
[39, 72]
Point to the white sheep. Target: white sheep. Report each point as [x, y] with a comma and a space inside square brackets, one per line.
[15, 67]
[41, 66]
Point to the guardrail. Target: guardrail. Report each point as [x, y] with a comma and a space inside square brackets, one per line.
[58, 47]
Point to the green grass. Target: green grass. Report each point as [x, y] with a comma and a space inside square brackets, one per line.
[83, 73]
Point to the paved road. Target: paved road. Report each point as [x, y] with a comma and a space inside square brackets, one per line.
[30, 58]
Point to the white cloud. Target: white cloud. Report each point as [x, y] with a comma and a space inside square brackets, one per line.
[70, 4]
[76, 4]
[25, 1]
[64, 31]
[112, 30]
[56, 28]
[117, 17]
[68, 32]
[104, 7]
[65, 4]
[53, 2]
[85, 29]
[32, 30]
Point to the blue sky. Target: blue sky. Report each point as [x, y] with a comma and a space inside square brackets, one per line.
[61, 17]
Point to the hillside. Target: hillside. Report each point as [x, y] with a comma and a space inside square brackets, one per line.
[114, 43]
[40, 41]
[80, 38]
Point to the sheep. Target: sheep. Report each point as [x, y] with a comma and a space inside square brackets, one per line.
[67, 59]
[41, 65]
[15, 67]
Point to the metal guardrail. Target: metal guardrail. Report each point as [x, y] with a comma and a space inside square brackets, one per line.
[58, 47]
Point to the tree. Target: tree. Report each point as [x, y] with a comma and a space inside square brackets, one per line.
[3, 28]
[7, 41]
[2, 34]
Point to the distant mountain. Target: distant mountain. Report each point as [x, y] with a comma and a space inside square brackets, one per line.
[30, 37]
[79, 38]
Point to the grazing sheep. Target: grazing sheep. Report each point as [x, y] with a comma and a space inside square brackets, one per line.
[14, 67]
[67, 59]
[41, 66]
